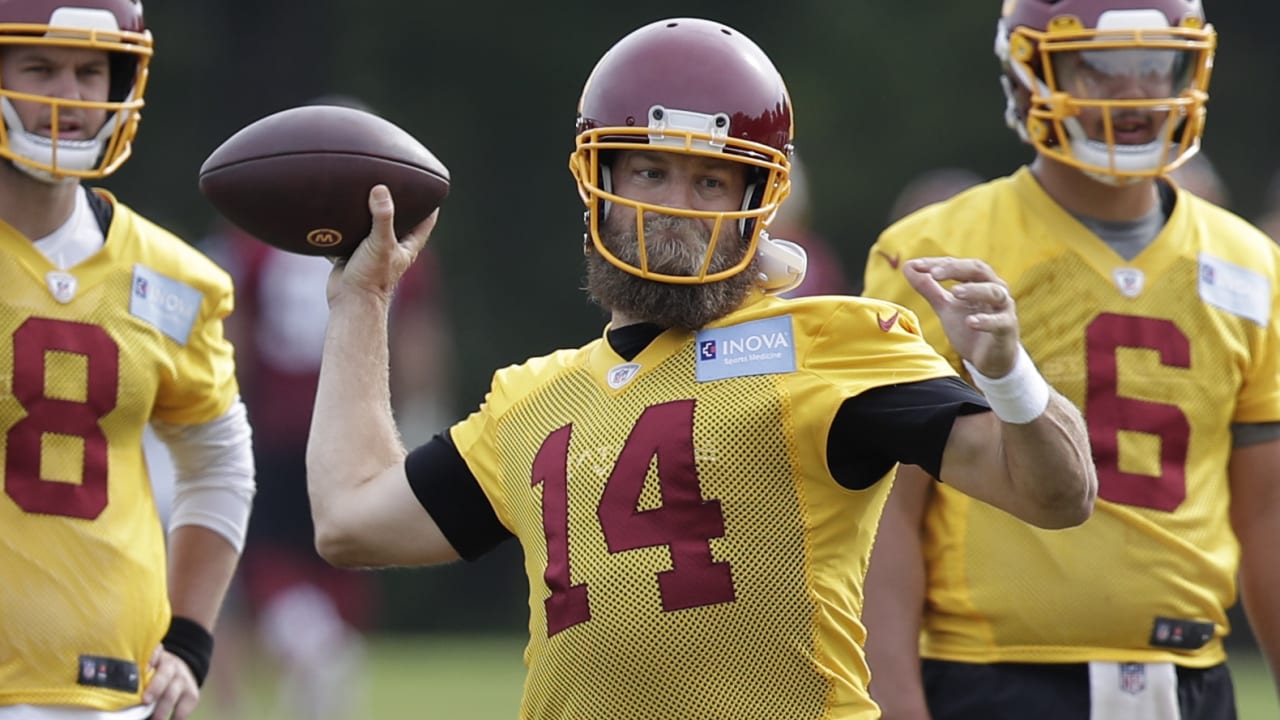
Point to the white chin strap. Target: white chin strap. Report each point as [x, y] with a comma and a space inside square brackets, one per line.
[1146, 158]
[782, 264]
[77, 155]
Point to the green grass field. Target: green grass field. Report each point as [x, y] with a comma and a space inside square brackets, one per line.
[479, 678]
[1254, 691]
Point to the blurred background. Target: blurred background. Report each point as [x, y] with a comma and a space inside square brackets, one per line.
[883, 93]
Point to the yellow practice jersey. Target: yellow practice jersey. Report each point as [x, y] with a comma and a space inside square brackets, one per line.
[1162, 354]
[91, 354]
[689, 554]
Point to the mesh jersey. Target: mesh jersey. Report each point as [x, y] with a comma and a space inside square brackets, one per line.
[689, 555]
[1162, 354]
[91, 353]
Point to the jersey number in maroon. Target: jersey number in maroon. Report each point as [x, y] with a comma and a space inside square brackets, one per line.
[51, 415]
[685, 522]
[1108, 413]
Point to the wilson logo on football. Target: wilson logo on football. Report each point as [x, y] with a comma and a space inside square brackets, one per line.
[324, 237]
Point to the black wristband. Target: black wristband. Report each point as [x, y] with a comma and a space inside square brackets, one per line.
[190, 641]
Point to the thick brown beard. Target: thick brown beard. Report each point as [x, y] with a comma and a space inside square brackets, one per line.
[674, 247]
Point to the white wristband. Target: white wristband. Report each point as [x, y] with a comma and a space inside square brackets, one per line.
[1020, 396]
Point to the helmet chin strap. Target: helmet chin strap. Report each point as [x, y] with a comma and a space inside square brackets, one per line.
[1144, 159]
[1113, 180]
[782, 264]
[72, 154]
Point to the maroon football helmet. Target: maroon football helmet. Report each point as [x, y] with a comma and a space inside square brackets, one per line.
[114, 26]
[1115, 88]
[695, 87]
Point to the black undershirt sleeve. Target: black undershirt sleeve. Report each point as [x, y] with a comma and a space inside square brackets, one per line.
[907, 423]
[450, 494]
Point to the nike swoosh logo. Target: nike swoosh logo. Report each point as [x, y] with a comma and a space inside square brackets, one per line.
[887, 325]
[893, 259]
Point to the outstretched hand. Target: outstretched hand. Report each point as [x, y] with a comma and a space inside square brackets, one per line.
[379, 262]
[977, 311]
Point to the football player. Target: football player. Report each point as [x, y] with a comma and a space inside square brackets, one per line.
[109, 323]
[695, 491]
[1155, 312]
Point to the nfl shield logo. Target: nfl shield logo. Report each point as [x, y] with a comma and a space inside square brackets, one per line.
[62, 286]
[1130, 281]
[620, 375]
[1133, 678]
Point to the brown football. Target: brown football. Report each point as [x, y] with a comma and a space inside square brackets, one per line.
[299, 179]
